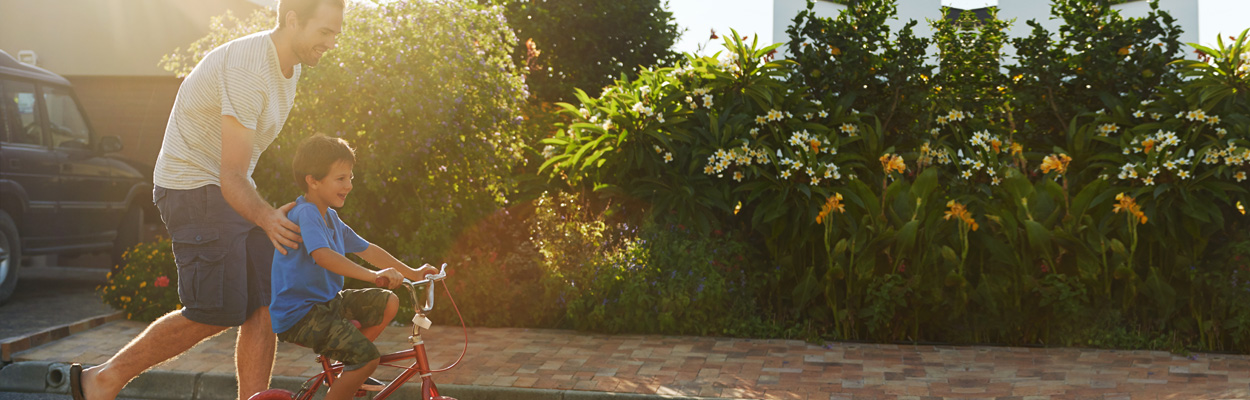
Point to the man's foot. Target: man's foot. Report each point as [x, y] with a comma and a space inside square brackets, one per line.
[373, 385]
[75, 381]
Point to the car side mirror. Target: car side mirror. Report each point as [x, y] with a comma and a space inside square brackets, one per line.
[110, 144]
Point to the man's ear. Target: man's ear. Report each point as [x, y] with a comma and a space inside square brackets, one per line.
[291, 19]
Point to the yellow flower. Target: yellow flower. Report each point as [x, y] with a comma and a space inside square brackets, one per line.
[142, 284]
[833, 203]
[1017, 149]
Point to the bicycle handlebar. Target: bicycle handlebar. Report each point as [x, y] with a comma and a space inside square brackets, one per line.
[429, 289]
[428, 281]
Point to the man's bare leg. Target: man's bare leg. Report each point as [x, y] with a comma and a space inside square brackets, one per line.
[168, 337]
[254, 353]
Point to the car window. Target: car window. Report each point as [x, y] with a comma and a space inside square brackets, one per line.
[69, 129]
[17, 104]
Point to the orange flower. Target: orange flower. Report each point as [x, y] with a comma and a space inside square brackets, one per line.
[1056, 162]
[1017, 149]
[1128, 205]
[1147, 145]
[833, 203]
[960, 212]
[892, 162]
[815, 144]
[997, 145]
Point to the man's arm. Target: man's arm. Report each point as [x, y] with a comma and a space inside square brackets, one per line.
[380, 258]
[236, 156]
[337, 263]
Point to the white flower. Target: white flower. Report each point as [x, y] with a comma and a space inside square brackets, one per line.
[1139, 113]
[668, 157]
[823, 114]
[549, 151]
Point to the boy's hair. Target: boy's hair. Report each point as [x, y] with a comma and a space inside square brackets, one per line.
[304, 9]
[315, 156]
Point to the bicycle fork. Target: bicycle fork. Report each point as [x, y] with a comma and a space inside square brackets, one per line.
[429, 391]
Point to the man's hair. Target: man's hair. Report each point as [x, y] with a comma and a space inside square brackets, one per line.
[315, 156]
[304, 9]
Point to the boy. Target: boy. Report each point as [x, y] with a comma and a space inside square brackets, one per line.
[309, 306]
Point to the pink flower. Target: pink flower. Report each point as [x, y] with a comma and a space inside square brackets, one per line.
[162, 281]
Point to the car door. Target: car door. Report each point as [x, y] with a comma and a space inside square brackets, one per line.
[91, 204]
[28, 162]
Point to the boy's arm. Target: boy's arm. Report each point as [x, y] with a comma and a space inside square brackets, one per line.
[380, 258]
[337, 263]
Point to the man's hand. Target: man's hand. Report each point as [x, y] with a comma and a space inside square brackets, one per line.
[281, 231]
[393, 277]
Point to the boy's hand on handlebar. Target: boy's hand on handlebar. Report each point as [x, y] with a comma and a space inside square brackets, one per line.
[389, 277]
[420, 273]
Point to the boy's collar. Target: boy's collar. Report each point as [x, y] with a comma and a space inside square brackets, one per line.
[300, 200]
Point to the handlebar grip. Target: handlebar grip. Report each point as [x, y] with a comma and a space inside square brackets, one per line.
[382, 281]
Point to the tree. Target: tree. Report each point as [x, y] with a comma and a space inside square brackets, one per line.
[586, 44]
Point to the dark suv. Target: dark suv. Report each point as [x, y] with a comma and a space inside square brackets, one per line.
[60, 191]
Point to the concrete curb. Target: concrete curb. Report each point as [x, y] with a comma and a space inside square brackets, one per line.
[53, 377]
[13, 345]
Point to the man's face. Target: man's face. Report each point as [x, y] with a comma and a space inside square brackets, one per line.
[319, 34]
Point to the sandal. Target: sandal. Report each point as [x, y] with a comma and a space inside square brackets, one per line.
[75, 381]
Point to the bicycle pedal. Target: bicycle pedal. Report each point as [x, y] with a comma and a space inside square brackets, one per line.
[372, 385]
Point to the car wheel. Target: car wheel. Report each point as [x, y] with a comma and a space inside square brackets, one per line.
[10, 256]
[129, 234]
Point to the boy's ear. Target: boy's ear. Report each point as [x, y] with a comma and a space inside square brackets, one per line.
[308, 179]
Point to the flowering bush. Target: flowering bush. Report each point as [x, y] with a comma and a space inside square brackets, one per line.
[146, 286]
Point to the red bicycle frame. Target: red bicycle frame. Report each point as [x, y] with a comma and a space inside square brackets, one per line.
[421, 366]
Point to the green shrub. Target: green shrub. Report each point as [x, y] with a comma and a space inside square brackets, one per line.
[146, 286]
[498, 276]
[672, 281]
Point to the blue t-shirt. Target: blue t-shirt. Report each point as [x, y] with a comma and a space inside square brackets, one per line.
[298, 282]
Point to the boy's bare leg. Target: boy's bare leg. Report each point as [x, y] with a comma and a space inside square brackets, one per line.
[254, 352]
[345, 387]
[164, 339]
[392, 308]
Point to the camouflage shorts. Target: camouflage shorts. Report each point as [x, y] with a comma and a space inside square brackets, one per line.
[328, 330]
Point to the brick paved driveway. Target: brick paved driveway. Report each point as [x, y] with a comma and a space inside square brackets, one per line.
[743, 368]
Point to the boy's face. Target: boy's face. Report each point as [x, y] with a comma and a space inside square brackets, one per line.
[333, 189]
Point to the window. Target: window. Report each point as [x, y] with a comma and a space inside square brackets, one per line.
[21, 118]
[69, 129]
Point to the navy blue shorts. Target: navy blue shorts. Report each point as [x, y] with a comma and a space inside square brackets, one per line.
[224, 261]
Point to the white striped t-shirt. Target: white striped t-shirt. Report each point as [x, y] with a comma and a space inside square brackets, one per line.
[241, 78]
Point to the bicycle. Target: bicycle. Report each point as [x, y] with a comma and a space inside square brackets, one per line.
[421, 364]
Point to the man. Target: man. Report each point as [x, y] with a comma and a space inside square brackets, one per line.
[228, 110]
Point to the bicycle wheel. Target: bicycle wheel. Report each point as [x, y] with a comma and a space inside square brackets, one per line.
[273, 394]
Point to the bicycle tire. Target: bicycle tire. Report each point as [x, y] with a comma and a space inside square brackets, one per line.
[273, 394]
